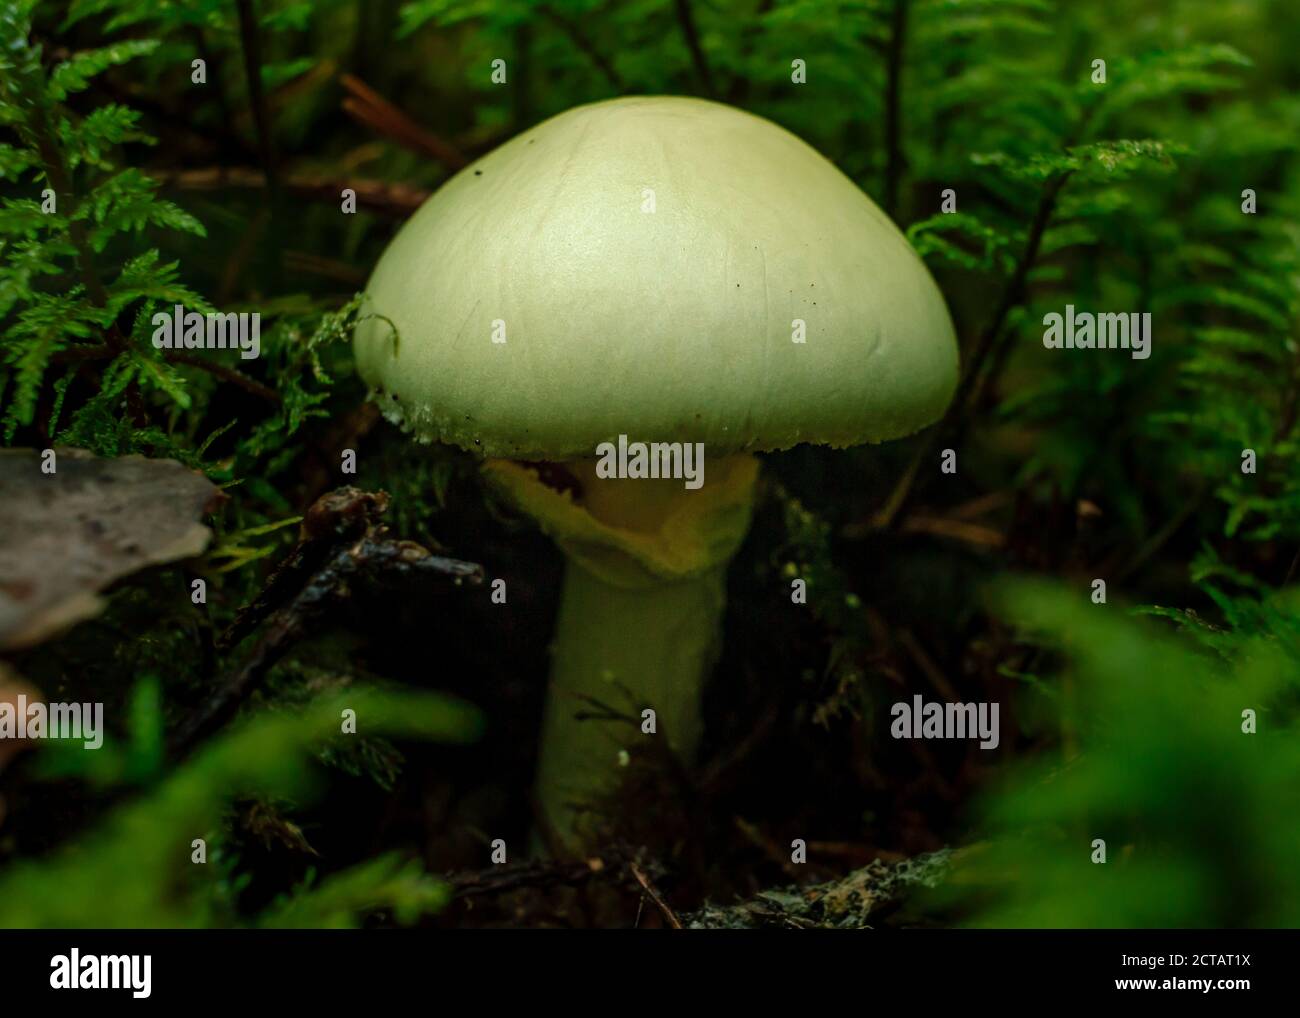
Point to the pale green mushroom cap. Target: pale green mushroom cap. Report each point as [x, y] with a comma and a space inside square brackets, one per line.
[647, 261]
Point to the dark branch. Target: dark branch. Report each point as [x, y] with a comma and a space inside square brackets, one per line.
[252, 45]
[686, 22]
[893, 105]
[614, 866]
[397, 200]
[975, 379]
[341, 546]
[371, 109]
[740, 84]
[224, 373]
[670, 917]
[104, 351]
[588, 48]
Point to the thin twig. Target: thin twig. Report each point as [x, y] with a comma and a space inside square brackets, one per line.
[769, 848]
[586, 46]
[893, 120]
[243, 253]
[1135, 560]
[721, 771]
[686, 22]
[209, 59]
[957, 530]
[521, 76]
[336, 517]
[613, 866]
[973, 382]
[397, 200]
[740, 84]
[224, 373]
[539, 874]
[328, 268]
[368, 107]
[74, 354]
[926, 663]
[104, 351]
[252, 46]
[670, 917]
[1013, 296]
[330, 528]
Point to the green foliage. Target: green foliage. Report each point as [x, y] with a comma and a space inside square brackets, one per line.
[75, 73]
[1242, 373]
[1148, 224]
[293, 348]
[1196, 814]
[76, 219]
[1114, 196]
[385, 883]
[991, 247]
[135, 869]
[92, 208]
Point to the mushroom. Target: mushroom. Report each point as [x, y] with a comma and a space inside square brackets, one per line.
[654, 270]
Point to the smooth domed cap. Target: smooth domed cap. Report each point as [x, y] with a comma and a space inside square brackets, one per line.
[646, 262]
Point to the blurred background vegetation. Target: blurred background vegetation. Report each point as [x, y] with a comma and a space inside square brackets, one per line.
[1120, 721]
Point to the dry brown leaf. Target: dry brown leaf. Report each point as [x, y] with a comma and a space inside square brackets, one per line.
[66, 536]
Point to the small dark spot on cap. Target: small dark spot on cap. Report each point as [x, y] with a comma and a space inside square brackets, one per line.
[478, 173]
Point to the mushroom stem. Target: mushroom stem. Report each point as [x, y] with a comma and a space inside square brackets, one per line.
[618, 652]
[639, 622]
